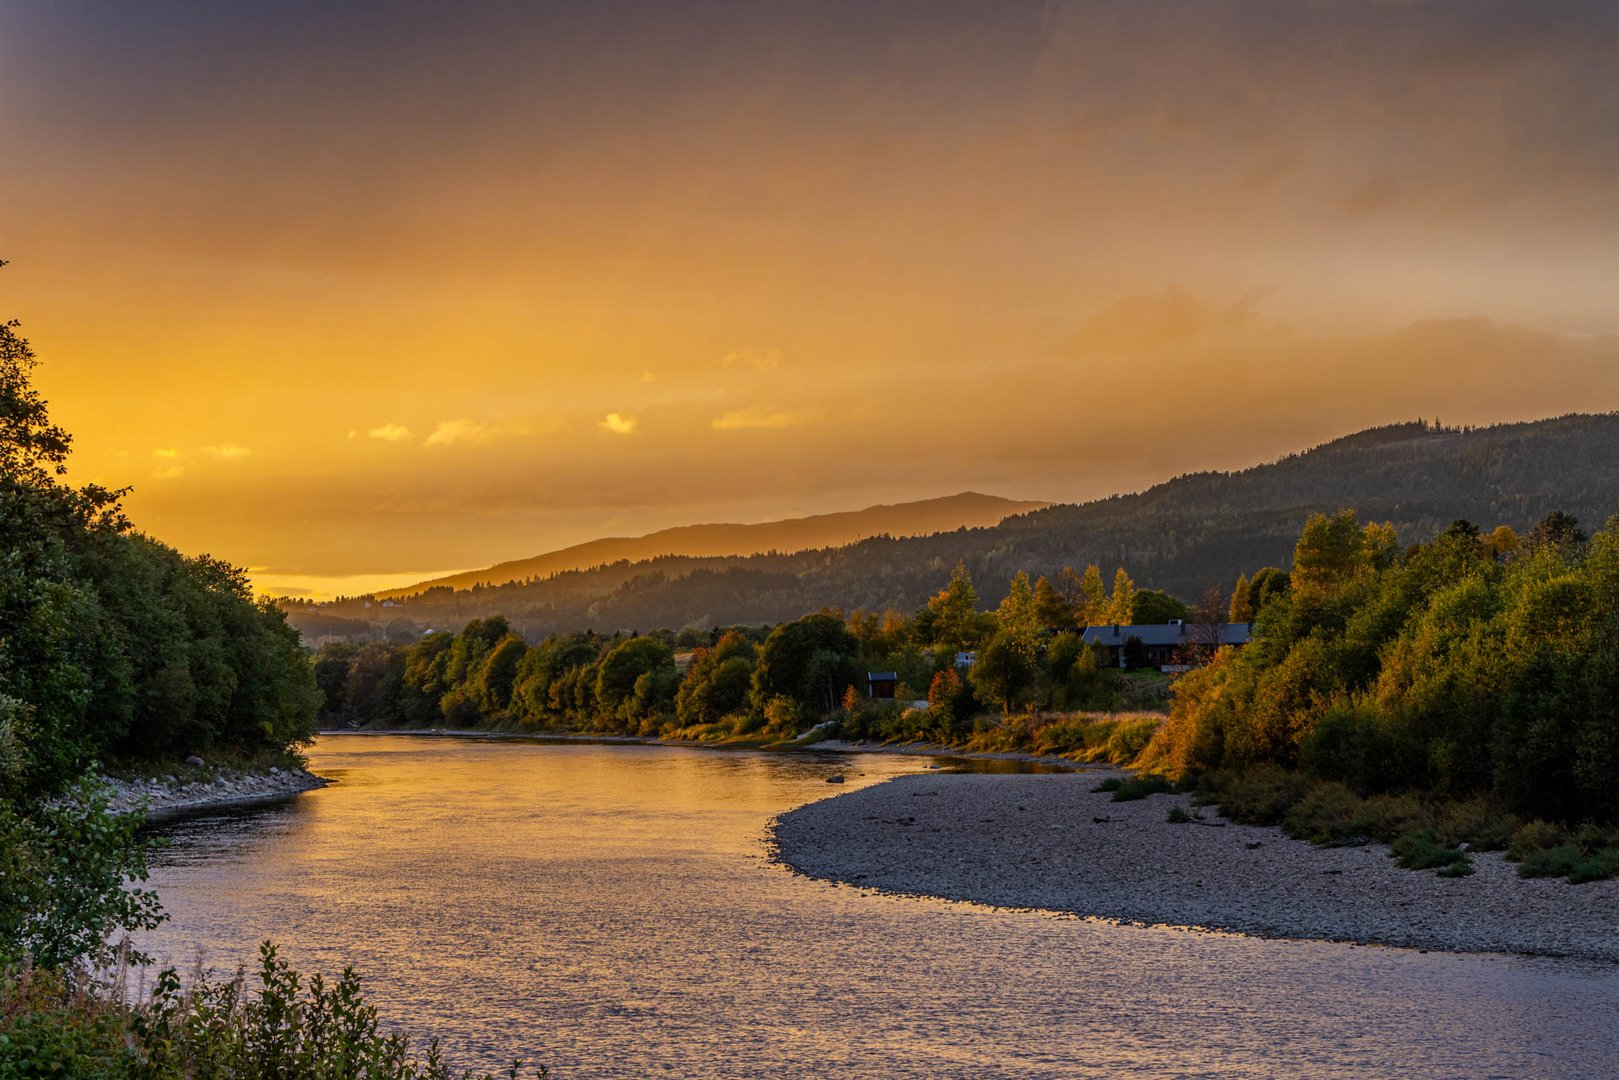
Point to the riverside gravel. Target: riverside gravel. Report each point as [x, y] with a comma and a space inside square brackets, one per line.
[167, 797]
[1051, 842]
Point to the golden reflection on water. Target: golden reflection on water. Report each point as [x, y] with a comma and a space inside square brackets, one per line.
[611, 910]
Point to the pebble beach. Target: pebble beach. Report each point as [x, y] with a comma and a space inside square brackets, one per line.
[1051, 842]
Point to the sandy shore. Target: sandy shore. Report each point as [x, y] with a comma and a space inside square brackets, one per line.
[167, 797]
[1050, 842]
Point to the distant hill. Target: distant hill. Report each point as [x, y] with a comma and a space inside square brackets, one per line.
[919, 518]
[1184, 535]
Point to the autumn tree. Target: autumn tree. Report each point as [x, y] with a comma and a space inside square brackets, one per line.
[1093, 592]
[1152, 607]
[1016, 617]
[1002, 674]
[1052, 610]
[1121, 606]
[955, 611]
[1335, 551]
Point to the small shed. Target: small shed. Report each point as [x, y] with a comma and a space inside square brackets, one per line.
[881, 684]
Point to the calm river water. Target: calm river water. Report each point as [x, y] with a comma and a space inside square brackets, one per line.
[610, 910]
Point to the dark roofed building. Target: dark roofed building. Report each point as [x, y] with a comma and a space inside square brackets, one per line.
[1161, 644]
[881, 684]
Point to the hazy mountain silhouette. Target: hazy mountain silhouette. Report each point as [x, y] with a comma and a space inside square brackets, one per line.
[969, 509]
[1184, 535]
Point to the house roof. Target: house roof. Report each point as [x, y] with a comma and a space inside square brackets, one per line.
[1167, 634]
[882, 676]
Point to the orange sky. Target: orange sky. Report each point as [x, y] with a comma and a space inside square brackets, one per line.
[393, 290]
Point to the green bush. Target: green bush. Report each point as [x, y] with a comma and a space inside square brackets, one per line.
[1535, 836]
[1478, 822]
[1261, 796]
[1421, 851]
[1140, 788]
[1330, 815]
[1559, 861]
[1597, 866]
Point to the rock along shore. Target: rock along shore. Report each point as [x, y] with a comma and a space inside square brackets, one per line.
[1050, 842]
[169, 797]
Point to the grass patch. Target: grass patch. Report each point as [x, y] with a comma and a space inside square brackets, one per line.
[1110, 784]
[1140, 788]
[1422, 851]
[1178, 816]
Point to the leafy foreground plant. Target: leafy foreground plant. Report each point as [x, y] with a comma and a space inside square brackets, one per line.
[287, 1027]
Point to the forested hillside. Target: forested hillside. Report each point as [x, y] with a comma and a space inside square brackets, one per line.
[968, 509]
[1184, 536]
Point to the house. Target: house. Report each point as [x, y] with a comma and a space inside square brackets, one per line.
[881, 684]
[1163, 645]
[966, 659]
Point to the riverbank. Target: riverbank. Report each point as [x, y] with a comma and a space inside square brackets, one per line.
[835, 746]
[169, 796]
[1051, 842]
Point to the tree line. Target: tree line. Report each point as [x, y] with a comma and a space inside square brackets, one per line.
[1025, 652]
[1470, 666]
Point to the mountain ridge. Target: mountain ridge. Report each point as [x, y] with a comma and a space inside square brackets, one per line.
[1184, 535]
[918, 517]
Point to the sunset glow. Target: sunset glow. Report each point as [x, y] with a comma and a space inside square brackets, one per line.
[356, 295]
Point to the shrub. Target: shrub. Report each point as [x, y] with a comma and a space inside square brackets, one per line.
[1393, 816]
[1261, 796]
[1178, 816]
[1533, 837]
[1479, 822]
[1331, 816]
[1421, 851]
[1597, 866]
[1140, 788]
[1559, 861]
[1129, 738]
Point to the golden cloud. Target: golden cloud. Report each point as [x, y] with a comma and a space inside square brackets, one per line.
[389, 433]
[757, 417]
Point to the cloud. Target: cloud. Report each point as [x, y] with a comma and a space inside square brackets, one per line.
[169, 473]
[167, 453]
[618, 424]
[450, 432]
[757, 359]
[388, 433]
[764, 417]
[228, 451]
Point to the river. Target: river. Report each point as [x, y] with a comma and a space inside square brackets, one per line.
[612, 911]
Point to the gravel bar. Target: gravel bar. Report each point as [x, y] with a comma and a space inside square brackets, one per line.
[1051, 842]
[167, 797]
